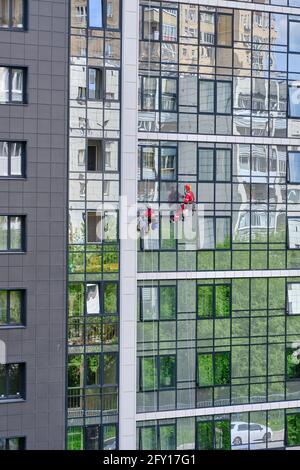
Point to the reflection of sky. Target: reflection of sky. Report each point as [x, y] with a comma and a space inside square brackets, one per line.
[279, 24]
[294, 167]
[294, 36]
[95, 13]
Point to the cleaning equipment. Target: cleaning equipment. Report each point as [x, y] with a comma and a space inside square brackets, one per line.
[189, 199]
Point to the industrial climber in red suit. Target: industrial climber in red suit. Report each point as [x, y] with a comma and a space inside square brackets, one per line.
[188, 198]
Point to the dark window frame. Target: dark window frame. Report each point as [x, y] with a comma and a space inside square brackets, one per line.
[215, 151]
[22, 371]
[157, 373]
[99, 93]
[24, 17]
[23, 159]
[216, 14]
[23, 308]
[214, 288]
[159, 178]
[103, 240]
[101, 385]
[158, 287]
[160, 20]
[22, 249]
[289, 86]
[215, 82]
[104, 17]
[157, 427]
[161, 94]
[288, 176]
[22, 442]
[213, 354]
[212, 421]
[24, 85]
[101, 287]
[288, 232]
[101, 429]
[215, 217]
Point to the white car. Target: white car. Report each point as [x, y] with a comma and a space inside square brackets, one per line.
[249, 433]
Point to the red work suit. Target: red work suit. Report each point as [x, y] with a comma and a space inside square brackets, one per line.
[189, 198]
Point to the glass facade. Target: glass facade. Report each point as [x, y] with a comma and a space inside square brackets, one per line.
[218, 113]
[217, 342]
[94, 187]
[219, 71]
[255, 430]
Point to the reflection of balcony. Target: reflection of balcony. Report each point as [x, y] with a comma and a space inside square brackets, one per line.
[92, 405]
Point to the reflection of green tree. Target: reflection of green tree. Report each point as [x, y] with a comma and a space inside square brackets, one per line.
[223, 301]
[75, 438]
[213, 435]
[75, 370]
[167, 302]
[293, 429]
[76, 299]
[222, 368]
[110, 298]
[293, 369]
[205, 301]
[205, 436]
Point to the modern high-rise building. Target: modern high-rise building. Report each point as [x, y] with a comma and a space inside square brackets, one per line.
[149, 224]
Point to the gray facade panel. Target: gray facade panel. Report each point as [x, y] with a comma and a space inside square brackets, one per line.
[42, 196]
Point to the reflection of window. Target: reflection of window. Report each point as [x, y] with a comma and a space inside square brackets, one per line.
[12, 85]
[100, 298]
[169, 24]
[215, 233]
[95, 155]
[293, 293]
[149, 93]
[293, 361]
[157, 372]
[294, 232]
[12, 233]
[213, 369]
[12, 14]
[294, 167]
[216, 29]
[12, 307]
[101, 226]
[214, 164]
[213, 434]
[160, 437]
[150, 167]
[168, 161]
[12, 384]
[214, 301]
[215, 97]
[94, 227]
[92, 437]
[293, 429]
[93, 298]
[95, 84]
[169, 94]
[158, 303]
[12, 443]
[12, 159]
[151, 23]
